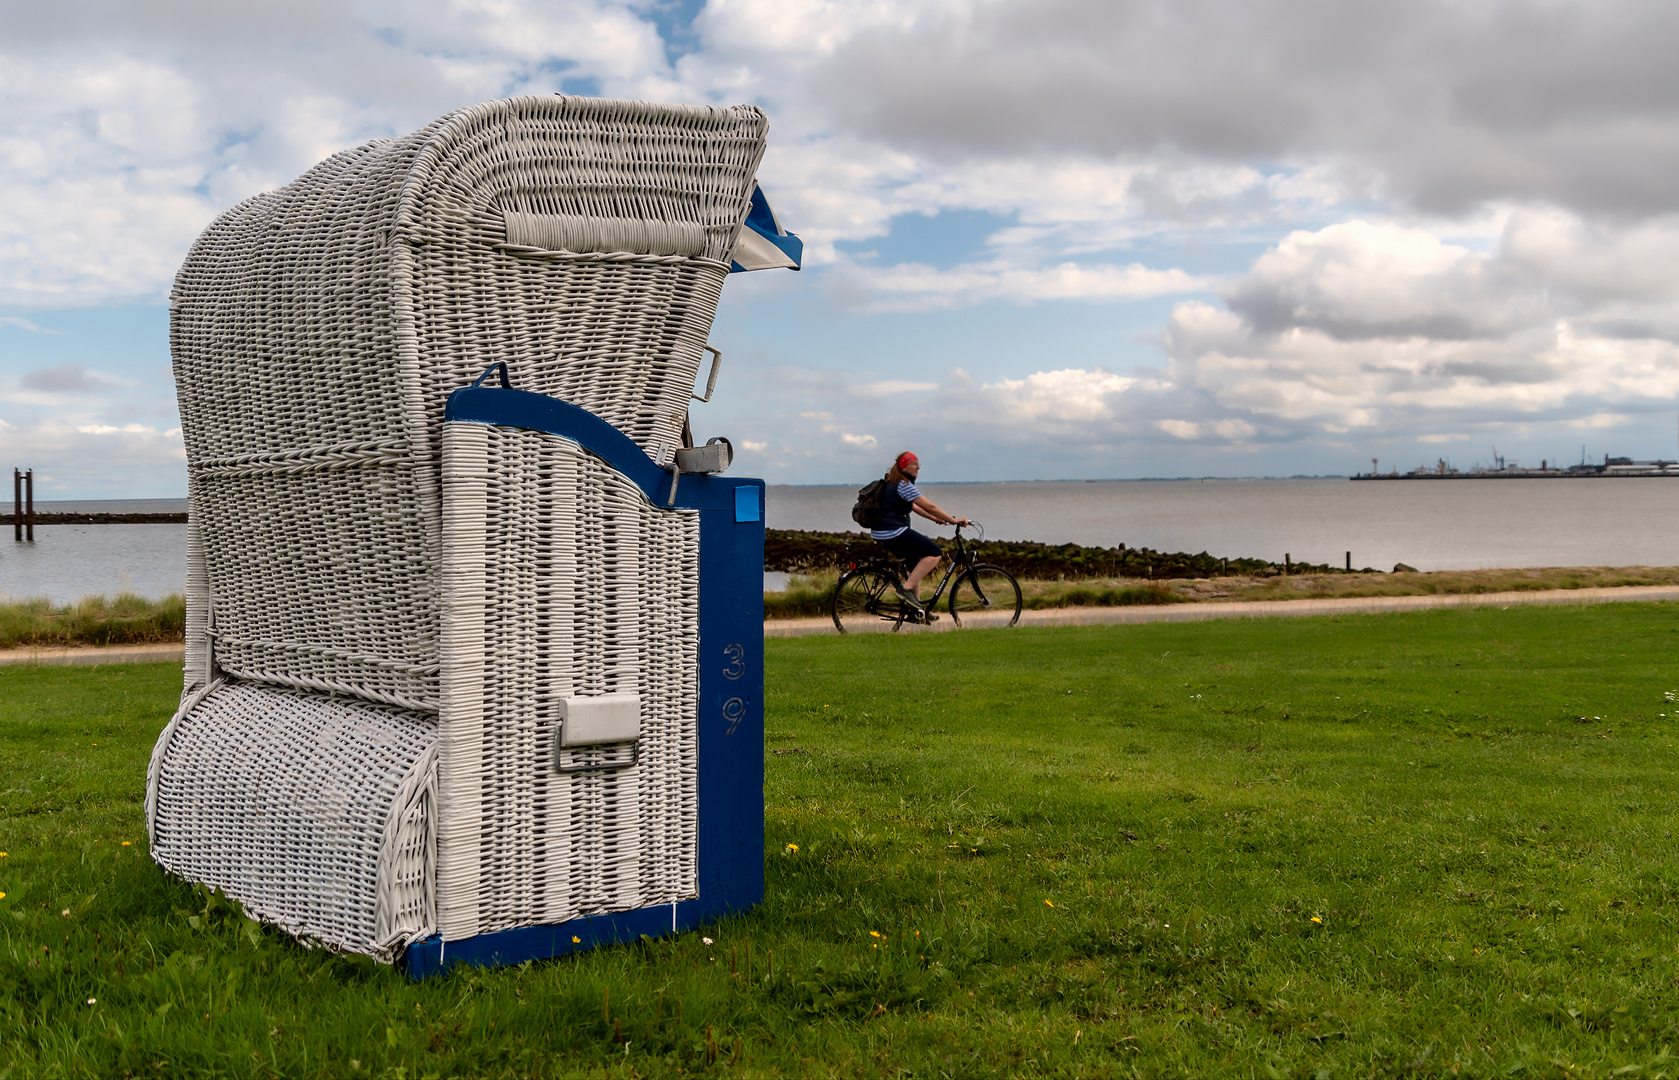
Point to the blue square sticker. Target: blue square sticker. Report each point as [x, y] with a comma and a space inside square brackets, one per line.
[746, 503]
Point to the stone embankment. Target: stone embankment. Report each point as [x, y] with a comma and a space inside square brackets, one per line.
[101, 519]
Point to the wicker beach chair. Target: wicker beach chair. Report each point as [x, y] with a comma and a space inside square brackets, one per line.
[472, 670]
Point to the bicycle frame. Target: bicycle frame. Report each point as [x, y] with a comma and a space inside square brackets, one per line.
[864, 591]
[955, 563]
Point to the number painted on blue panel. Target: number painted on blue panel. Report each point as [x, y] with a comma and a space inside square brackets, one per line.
[737, 662]
[734, 711]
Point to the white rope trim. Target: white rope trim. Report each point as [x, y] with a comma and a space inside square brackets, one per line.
[326, 686]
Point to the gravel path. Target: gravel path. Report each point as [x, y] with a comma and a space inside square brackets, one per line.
[97, 654]
[1258, 609]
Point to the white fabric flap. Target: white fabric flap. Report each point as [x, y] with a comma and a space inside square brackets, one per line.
[753, 252]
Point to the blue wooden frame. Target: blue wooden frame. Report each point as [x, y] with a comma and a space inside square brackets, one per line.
[731, 692]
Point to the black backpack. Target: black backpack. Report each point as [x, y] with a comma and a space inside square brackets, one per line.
[867, 511]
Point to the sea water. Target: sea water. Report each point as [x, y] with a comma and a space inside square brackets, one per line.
[1428, 524]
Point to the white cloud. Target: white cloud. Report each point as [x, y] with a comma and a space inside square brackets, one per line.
[895, 386]
[128, 127]
[1599, 420]
[97, 460]
[802, 30]
[1447, 104]
[913, 287]
[1371, 327]
[1360, 280]
[1216, 430]
[1070, 395]
[1465, 213]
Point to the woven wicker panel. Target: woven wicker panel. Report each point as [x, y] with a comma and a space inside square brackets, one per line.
[317, 331]
[586, 242]
[560, 579]
[317, 578]
[315, 813]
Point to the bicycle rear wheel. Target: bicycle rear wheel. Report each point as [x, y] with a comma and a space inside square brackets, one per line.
[864, 602]
[985, 596]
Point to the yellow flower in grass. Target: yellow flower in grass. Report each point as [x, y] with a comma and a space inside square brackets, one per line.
[1317, 920]
[575, 940]
[1049, 902]
[127, 843]
[2, 896]
[792, 849]
[874, 933]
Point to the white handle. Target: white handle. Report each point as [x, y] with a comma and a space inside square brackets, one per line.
[711, 382]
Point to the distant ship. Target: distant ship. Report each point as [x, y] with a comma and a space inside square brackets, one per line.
[1502, 470]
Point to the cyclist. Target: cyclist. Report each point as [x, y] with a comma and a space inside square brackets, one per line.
[897, 500]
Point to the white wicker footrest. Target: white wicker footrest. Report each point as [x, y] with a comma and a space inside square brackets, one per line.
[317, 814]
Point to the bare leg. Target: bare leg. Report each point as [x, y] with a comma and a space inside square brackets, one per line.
[922, 569]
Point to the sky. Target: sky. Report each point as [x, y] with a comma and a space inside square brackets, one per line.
[1044, 240]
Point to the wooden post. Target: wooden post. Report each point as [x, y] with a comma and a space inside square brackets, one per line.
[1288, 563]
[29, 506]
[17, 505]
[1349, 560]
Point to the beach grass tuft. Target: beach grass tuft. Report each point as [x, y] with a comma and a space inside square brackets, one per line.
[1437, 843]
[95, 620]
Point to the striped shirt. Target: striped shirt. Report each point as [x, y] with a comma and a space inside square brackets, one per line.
[894, 517]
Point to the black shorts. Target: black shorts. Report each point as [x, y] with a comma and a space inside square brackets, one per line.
[911, 547]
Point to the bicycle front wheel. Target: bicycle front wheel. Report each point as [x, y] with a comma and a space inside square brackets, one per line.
[864, 602]
[985, 596]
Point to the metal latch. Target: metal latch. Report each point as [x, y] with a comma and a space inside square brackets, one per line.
[601, 722]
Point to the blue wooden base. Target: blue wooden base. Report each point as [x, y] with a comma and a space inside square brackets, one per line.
[730, 842]
[433, 956]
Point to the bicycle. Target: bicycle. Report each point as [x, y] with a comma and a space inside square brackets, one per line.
[866, 597]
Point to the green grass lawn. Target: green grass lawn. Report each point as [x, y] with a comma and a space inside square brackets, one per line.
[1429, 843]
